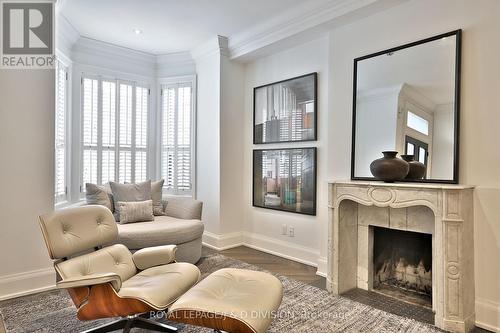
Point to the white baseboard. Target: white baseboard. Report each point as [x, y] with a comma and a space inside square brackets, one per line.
[488, 314]
[282, 249]
[322, 267]
[222, 242]
[262, 243]
[26, 283]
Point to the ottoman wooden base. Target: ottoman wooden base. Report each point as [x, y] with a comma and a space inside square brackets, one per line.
[231, 300]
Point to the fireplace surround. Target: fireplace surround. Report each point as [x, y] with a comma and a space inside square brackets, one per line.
[444, 211]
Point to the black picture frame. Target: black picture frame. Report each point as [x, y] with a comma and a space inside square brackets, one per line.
[456, 148]
[314, 137]
[312, 194]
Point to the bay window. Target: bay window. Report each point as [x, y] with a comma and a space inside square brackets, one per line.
[120, 133]
[115, 117]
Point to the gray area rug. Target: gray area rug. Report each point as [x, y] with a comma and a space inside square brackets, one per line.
[304, 309]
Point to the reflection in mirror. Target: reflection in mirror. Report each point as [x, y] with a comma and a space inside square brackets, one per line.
[405, 101]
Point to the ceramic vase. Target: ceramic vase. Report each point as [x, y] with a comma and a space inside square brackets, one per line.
[389, 168]
[417, 169]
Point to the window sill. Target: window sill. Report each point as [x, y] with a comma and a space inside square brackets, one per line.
[67, 204]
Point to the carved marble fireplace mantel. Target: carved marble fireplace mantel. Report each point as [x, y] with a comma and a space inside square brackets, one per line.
[452, 237]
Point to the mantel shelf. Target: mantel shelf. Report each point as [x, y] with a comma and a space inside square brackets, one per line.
[402, 184]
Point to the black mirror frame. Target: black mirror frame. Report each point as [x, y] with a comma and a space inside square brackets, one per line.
[456, 146]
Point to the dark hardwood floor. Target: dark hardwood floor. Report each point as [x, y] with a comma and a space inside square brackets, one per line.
[275, 264]
[307, 274]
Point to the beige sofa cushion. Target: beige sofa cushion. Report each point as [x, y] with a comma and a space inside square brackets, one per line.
[99, 195]
[183, 208]
[137, 211]
[156, 196]
[129, 193]
[164, 230]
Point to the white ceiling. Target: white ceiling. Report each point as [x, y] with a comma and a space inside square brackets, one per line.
[168, 25]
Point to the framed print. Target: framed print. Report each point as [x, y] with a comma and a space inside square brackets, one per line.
[285, 179]
[286, 111]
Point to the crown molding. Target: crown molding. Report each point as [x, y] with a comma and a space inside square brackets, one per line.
[175, 64]
[89, 45]
[417, 97]
[218, 44]
[174, 59]
[307, 16]
[87, 51]
[66, 35]
[376, 93]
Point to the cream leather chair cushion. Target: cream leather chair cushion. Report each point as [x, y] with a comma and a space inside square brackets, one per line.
[112, 259]
[160, 286]
[70, 231]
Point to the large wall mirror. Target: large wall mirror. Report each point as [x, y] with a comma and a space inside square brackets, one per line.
[407, 99]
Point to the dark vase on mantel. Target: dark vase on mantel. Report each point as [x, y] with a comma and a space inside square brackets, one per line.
[389, 168]
[417, 169]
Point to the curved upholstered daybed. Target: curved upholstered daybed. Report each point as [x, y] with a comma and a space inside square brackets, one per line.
[181, 225]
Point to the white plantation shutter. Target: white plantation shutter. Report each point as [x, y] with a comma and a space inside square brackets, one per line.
[89, 130]
[177, 137]
[114, 131]
[108, 131]
[60, 189]
[125, 134]
[141, 132]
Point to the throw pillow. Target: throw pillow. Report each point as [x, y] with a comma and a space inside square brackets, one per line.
[135, 211]
[130, 193]
[99, 195]
[156, 196]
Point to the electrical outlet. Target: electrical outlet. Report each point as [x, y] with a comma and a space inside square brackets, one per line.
[291, 231]
[284, 229]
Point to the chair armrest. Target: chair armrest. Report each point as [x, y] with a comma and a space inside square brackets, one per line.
[154, 256]
[183, 208]
[91, 280]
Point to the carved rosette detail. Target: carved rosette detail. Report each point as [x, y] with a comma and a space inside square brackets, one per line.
[381, 196]
[453, 270]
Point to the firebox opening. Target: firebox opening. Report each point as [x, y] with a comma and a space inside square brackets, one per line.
[402, 265]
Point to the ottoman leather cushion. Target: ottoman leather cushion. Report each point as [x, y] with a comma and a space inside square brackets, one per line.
[233, 300]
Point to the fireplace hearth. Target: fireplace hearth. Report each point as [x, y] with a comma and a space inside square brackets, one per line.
[402, 265]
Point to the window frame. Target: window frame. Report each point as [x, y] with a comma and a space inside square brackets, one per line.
[150, 130]
[177, 80]
[63, 200]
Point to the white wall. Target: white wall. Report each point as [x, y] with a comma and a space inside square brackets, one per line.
[376, 124]
[442, 142]
[231, 146]
[27, 107]
[264, 226]
[208, 140]
[480, 157]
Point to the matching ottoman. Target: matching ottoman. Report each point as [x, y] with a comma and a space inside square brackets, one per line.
[231, 300]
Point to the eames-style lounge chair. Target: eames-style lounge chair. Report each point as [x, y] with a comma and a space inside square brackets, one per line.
[107, 281]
